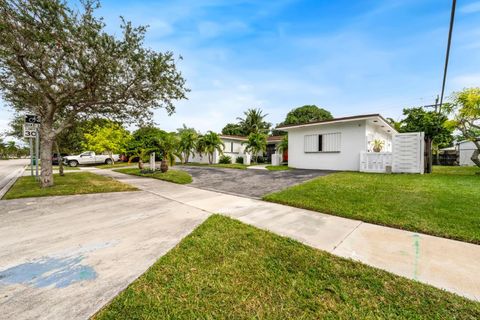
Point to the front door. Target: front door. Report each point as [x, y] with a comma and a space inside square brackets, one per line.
[270, 150]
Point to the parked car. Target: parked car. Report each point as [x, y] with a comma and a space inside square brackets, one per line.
[89, 157]
[55, 158]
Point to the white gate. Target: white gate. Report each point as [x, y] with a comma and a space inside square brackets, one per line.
[408, 152]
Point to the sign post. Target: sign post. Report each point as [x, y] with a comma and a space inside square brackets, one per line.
[31, 156]
[30, 131]
[37, 149]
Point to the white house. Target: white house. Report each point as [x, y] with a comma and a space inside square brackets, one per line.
[347, 144]
[465, 151]
[234, 147]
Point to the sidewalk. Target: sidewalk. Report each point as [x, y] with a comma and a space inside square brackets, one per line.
[447, 264]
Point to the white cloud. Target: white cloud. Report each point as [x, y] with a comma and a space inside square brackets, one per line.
[473, 7]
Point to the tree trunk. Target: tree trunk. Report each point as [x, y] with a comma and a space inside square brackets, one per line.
[210, 158]
[429, 158]
[164, 165]
[140, 164]
[475, 157]
[60, 160]
[110, 154]
[46, 146]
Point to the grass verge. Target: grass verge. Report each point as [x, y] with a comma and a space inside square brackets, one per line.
[228, 270]
[443, 204]
[218, 165]
[277, 168]
[65, 167]
[73, 183]
[175, 176]
[115, 165]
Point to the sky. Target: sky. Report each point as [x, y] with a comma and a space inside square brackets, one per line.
[349, 57]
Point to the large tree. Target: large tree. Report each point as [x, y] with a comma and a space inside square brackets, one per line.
[433, 124]
[307, 113]
[111, 139]
[304, 114]
[143, 141]
[466, 105]
[60, 64]
[233, 129]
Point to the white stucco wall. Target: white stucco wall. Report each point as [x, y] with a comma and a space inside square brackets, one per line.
[373, 133]
[353, 141]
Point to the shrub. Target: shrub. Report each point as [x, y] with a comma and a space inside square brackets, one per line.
[225, 159]
[260, 159]
[239, 160]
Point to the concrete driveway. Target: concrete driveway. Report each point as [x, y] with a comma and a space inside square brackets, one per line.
[65, 257]
[250, 183]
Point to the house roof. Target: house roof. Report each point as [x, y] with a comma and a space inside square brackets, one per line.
[245, 138]
[374, 116]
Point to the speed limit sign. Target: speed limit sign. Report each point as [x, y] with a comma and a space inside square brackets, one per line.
[29, 130]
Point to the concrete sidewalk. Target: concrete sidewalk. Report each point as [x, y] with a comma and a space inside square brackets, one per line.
[443, 263]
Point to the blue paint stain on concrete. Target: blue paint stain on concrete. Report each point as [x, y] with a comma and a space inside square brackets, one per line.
[59, 272]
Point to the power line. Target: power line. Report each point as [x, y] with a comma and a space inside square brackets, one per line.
[452, 19]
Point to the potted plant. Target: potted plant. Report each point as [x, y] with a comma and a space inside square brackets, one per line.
[378, 145]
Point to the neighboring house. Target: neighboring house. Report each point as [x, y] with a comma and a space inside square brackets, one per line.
[465, 150]
[235, 147]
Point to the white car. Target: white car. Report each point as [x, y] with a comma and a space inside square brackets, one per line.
[89, 157]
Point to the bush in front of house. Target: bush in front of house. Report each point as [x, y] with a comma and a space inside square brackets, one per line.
[225, 159]
[239, 160]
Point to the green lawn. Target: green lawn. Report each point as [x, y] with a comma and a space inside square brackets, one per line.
[65, 167]
[70, 183]
[175, 176]
[228, 270]
[445, 203]
[218, 165]
[119, 164]
[277, 168]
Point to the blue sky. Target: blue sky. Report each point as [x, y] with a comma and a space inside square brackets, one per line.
[350, 57]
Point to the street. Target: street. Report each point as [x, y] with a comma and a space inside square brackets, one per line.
[10, 169]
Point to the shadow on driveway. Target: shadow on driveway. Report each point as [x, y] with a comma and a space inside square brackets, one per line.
[249, 183]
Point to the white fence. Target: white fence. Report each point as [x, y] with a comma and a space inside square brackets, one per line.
[408, 152]
[375, 161]
[407, 155]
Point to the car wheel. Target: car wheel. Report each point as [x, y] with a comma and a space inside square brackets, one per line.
[108, 161]
[73, 163]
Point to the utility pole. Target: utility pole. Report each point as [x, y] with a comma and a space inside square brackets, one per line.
[452, 19]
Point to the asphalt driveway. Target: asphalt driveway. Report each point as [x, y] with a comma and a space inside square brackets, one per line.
[250, 183]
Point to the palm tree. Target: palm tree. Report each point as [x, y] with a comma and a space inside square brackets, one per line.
[283, 145]
[188, 142]
[254, 122]
[168, 146]
[256, 143]
[209, 143]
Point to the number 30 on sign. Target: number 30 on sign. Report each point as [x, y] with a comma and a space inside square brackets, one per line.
[29, 130]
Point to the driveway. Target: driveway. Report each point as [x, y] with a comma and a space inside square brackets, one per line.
[65, 257]
[250, 183]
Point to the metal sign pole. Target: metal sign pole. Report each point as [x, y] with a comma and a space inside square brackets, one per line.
[31, 156]
[37, 149]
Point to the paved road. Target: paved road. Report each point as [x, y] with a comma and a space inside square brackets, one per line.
[250, 183]
[10, 169]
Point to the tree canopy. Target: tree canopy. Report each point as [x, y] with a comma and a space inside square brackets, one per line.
[307, 113]
[466, 106]
[60, 64]
[111, 138]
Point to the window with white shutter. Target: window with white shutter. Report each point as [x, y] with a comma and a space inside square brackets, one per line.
[327, 142]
